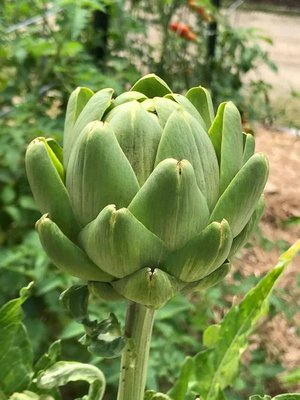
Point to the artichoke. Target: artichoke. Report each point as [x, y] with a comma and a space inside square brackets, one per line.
[151, 195]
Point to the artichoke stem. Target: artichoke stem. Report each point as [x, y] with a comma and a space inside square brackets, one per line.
[133, 373]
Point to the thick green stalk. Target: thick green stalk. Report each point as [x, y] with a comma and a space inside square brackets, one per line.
[133, 374]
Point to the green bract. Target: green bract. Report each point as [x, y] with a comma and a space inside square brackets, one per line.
[151, 194]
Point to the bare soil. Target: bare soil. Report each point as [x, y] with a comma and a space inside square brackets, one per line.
[282, 196]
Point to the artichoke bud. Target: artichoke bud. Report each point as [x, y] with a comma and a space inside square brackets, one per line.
[249, 146]
[45, 175]
[104, 291]
[151, 287]
[242, 238]
[152, 193]
[211, 280]
[201, 100]
[202, 255]
[65, 254]
[151, 85]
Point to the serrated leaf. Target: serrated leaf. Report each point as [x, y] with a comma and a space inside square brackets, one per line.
[16, 355]
[181, 387]
[64, 372]
[49, 358]
[76, 299]
[104, 338]
[216, 368]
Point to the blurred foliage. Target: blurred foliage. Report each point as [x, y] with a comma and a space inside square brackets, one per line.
[46, 50]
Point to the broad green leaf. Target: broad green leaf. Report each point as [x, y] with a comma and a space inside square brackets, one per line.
[201, 99]
[180, 389]
[16, 354]
[93, 110]
[227, 138]
[64, 372]
[202, 255]
[49, 358]
[239, 200]
[65, 254]
[16, 362]
[216, 368]
[47, 186]
[120, 244]
[170, 203]
[99, 173]
[184, 138]
[138, 133]
[151, 85]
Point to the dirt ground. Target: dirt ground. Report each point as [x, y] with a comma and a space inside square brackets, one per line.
[282, 197]
[284, 31]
